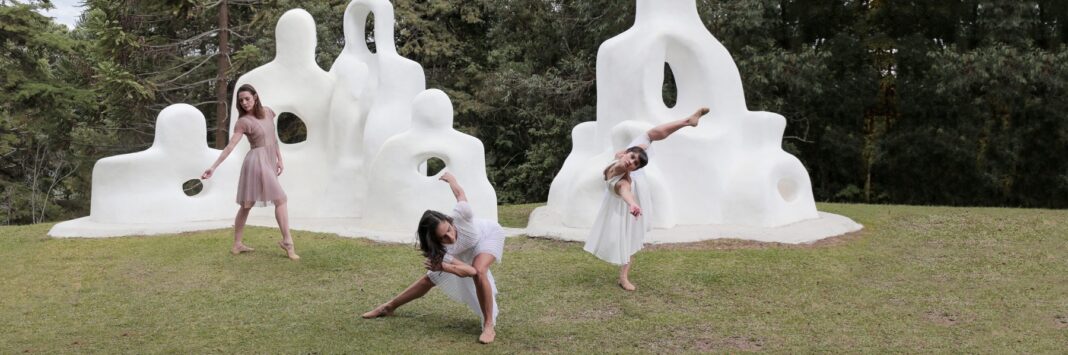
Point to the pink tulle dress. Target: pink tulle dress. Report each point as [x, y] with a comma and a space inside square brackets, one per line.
[258, 185]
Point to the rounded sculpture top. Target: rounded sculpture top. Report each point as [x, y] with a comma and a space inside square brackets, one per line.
[180, 127]
[667, 10]
[432, 109]
[355, 21]
[295, 37]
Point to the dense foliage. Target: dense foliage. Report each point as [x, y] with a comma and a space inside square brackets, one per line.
[955, 102]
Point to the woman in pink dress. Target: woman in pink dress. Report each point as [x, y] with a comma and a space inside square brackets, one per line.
[258, 185]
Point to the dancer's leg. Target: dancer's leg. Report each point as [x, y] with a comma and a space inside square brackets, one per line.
[416, 290]
[239, 231]
[281, 214]
[624, 276]
[666, 129]
[484, 290]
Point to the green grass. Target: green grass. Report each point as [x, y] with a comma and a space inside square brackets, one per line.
[917, 279]
[516, 216]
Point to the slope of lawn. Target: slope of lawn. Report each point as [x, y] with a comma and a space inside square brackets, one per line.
[916, 279]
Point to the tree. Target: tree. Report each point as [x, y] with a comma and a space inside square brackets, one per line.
[46, 108]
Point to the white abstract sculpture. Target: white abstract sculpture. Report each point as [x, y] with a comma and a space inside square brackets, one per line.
[401, 191]
[294, 83]
[146, 186]
[729, 170]
[359, 112]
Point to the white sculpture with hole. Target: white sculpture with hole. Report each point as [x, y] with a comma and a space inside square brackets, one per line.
[728, 177]
[294, 84]
[400, 189]
[359, 112]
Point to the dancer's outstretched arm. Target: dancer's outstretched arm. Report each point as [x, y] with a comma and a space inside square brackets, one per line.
[239, 131]
[456, 189]
[454, 266]
[624, 191]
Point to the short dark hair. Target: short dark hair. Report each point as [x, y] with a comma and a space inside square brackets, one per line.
[643, 157]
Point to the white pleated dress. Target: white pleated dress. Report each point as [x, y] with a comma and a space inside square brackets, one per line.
[616, 234]
[473, 236]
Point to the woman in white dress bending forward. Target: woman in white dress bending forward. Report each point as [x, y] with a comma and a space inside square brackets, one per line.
[619, 230]
[459, 250]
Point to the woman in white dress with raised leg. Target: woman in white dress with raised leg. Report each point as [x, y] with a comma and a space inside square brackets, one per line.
[619, 230]
[459, 250]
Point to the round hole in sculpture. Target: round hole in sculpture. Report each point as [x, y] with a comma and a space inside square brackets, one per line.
[291, 128]
[788, 189]
[432, 166]
[192, 187]
[669, 91]
[369, 30]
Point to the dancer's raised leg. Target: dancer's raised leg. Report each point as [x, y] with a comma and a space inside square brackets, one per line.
[624, 276]
[281, 214]
[416, 290]
[666, 129]
[239, 231]
[484, 290]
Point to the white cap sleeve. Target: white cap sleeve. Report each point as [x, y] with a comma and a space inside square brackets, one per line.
[462, 210]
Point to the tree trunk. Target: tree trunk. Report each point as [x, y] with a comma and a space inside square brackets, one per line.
[221, 107]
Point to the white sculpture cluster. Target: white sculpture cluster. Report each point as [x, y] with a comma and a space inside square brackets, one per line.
[730, 170]
[371, 127]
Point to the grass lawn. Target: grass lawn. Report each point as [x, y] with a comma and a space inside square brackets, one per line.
[917, 279]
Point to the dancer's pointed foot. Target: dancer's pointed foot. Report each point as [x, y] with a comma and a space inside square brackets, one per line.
[383, 310]
[240, 248]
[488, 335]
[694, 119]
[290, 252]
[626, 285]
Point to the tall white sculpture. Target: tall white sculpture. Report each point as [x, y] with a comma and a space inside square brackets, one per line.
[730, 170]
[359, 112]
[401, 191]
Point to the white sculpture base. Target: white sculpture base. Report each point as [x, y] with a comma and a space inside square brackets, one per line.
[345, 227]
[544, 222]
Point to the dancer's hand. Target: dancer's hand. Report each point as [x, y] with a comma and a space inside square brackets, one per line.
[207, 174]
[447, 177]
[635, 211]
[280, 168]
[432, 266]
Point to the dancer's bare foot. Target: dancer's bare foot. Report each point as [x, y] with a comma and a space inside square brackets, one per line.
[383, 310]
[626, 285]
[240, 248]
[290, 252]
[695, 118]
[488, 335]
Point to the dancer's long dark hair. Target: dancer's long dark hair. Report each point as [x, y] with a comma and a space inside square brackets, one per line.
[643, 157]
[257, 108]
[429, 243]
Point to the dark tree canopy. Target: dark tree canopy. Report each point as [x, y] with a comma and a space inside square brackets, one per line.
[956, 102]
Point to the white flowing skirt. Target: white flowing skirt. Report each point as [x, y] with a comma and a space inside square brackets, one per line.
[616, 234]
[462, 289]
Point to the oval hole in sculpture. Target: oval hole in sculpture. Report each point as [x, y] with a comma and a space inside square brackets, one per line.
[369, 33]
[788, 189]
[192, 187]
[432, 166]
[669, 91]
[291, 128]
